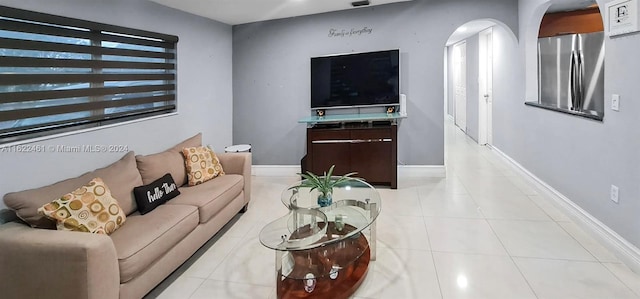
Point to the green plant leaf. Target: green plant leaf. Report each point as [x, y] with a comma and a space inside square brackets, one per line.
[327, 176]
[312, 178]
[323, 184]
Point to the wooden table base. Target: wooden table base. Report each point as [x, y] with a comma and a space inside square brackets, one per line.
[344, 285]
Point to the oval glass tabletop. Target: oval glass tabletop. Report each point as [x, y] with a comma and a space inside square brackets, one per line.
[355, 206]
[326, 246]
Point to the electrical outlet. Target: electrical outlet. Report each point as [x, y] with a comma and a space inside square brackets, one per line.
[615, 102]
[614, 193]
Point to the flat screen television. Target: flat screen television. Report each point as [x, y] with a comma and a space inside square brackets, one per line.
[355, 80]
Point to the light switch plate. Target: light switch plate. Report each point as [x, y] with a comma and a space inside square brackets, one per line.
[615, 102]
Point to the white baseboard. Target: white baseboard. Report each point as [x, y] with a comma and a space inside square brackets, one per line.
[623, 249]
[403, 170]
[275, 170]
[421, 171]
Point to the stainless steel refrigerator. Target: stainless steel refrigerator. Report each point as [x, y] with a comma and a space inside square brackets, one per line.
[571, 72]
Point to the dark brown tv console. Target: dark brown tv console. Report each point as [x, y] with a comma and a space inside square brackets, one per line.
[368, 148]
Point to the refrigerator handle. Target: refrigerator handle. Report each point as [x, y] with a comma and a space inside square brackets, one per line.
[573, 69]
[580, 79]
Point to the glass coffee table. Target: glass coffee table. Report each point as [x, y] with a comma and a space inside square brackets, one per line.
[324, 252]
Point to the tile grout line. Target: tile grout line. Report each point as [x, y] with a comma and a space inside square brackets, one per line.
[196, 289]
[433, 260]
[596, 260]
[224, 258]
[556, 259]
[599, 261]
[545, 211]
[472, 198]
[582, 245]
[240, 283]
[502, 244]
[514, 262]
[619, 279]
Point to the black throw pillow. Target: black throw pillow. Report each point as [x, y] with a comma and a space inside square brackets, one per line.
[150, 196]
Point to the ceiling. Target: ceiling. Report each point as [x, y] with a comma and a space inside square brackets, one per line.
[473, 27]
[234, 12]
[468, 30]
[570, 5]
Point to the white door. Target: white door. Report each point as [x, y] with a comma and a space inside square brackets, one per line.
[460, 85]
[485, 82]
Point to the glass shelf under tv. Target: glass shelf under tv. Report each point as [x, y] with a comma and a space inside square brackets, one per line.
[356, 117]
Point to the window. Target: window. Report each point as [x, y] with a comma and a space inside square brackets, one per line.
[59, 74]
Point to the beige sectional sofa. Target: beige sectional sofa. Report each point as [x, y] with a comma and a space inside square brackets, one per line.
[37, 261]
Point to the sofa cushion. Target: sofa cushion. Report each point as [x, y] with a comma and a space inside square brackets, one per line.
[146, 238]
[201, 164]
[154, 166]
[148, 197]
[120, 176]
[210, 197]
[90, 208]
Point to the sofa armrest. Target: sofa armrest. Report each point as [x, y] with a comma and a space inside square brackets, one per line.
[7, 215]
[42, 263]
[238, 163]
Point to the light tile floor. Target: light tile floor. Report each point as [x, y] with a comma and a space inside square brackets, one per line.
[481, 232]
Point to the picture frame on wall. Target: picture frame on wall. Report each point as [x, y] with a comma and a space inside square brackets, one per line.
[621, 17]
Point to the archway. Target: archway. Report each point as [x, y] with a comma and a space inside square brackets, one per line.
[468, 70]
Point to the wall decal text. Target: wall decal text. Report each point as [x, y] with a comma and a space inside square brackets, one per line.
[349, 32]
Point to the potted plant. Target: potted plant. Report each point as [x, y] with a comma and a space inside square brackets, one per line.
[324, 184]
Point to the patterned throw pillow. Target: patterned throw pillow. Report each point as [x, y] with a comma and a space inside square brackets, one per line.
[90, 208]
[202, 164]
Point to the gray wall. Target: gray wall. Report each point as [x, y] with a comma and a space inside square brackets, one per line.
[508, 91]
[271, 72]
[204, 92]
[580, 158]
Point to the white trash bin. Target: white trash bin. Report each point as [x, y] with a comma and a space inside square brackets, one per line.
[238, 148]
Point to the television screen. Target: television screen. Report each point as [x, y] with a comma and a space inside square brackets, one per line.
[362, 79]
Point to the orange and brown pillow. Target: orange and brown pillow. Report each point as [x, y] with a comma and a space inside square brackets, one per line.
[154, 166]
[90, 208]
[202, 164]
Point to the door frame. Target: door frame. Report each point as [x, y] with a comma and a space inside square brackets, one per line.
[485, 87]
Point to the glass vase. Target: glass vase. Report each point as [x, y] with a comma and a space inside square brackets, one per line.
[324, 200]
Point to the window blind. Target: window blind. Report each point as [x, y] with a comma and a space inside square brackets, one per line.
[60, 74]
